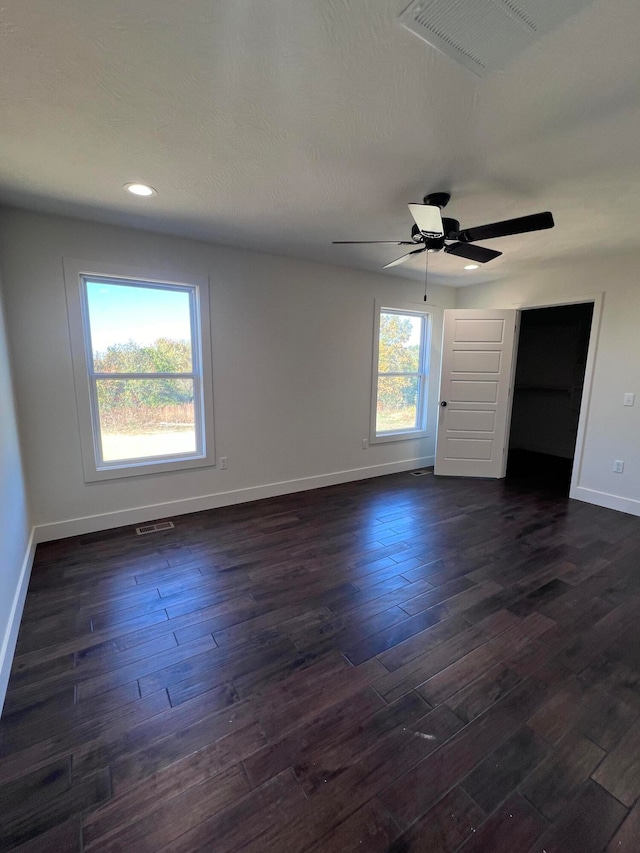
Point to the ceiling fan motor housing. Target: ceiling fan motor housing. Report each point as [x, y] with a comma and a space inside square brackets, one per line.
[434, 244]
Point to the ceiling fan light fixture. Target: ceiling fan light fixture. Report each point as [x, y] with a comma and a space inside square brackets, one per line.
[142, 190]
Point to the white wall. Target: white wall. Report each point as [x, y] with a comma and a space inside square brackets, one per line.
[612, 431]
[15, 549]
[292, 352]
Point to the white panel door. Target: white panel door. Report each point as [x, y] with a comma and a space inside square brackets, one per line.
[478, 360]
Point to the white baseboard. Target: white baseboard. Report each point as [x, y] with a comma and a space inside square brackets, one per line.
[10, 638]
[628, 505]
[139, 515]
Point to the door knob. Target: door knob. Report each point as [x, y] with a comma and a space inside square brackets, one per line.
[443, 403]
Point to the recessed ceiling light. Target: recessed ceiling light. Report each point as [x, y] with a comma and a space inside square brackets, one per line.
[471, 266]
[140, 189]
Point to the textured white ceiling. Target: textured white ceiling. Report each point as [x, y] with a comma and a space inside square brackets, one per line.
[284, 125]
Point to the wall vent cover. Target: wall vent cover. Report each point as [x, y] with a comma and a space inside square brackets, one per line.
[154, 528]
[485, 35]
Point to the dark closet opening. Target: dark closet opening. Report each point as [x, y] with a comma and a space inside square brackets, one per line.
[550, 368]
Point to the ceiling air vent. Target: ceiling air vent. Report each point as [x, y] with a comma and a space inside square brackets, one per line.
[154, 528]
[485, 35]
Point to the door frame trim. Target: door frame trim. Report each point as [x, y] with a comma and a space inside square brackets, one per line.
[597, 299]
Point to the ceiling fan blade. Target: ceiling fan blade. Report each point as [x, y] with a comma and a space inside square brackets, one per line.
[370, 242]
[534, 222]
[428, 219]
[403, 258]
[472, 253]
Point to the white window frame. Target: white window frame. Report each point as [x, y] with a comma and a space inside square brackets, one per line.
[420, 431]
[76, 273]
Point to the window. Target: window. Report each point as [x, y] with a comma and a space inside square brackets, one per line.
[400, 374]
[141, 354]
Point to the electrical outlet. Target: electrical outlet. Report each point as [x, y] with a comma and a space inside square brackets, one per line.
[629, 399]
[224, 463]
[365, 443]
[618, 466]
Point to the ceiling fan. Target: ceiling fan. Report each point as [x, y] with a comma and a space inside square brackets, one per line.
[432, 232]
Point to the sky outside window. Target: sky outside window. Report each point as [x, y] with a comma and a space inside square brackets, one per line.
[119, 313]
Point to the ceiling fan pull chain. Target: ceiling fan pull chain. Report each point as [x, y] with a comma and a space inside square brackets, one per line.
[426, 273]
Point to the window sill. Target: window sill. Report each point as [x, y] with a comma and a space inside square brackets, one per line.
[143, 468]
[398, 436]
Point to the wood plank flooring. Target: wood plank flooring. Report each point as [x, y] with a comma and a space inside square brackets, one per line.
[398, 665]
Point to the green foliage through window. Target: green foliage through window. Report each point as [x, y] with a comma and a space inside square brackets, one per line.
[131, 402]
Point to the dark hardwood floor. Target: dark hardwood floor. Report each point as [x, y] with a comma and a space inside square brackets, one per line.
[401, 664]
